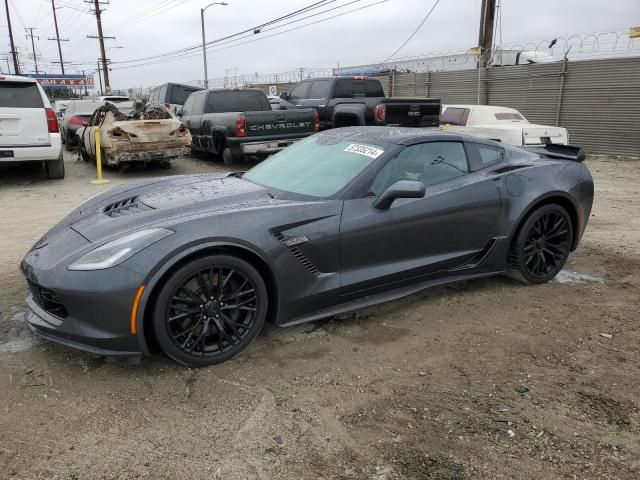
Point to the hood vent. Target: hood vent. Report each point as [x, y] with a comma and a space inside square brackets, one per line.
[302, 258]
[128, 206]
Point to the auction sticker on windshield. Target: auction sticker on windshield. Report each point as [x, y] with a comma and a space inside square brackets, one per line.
[365, 150]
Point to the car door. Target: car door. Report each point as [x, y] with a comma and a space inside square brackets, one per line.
[317, 97]
[416, 237]
[190, 116]
[296, 95]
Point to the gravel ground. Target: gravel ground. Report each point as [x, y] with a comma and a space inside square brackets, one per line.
[488, 379]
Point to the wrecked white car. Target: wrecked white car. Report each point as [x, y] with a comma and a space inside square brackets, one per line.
[128, 135]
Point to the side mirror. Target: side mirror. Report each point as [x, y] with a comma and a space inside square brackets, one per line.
[284, 96]
[401, 189]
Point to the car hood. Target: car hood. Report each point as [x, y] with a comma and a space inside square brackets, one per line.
[163, 202]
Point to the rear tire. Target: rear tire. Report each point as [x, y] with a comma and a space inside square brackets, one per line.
[210, 310]
[68, 144]
[542, 245]
[228, 157]
[55, 168]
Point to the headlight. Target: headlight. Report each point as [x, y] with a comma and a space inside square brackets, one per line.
[117, 251]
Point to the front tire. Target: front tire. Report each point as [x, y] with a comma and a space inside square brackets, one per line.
[210, 310]
[542, 245]
[55, 168]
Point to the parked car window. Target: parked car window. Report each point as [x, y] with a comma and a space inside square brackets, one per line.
[373, 88]
[319, 89]
[20, 95]
[508, 116]
[455, 116]
[162, 94]
[299, 91]
[179, 94]
[489, 155]
[349, 88]
[188, 105]
[430, 163]
[237, 101]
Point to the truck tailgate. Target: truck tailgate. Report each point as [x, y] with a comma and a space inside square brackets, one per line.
[412, 112]
[279, 122]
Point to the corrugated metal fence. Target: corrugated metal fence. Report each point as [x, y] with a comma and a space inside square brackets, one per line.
[598, 101]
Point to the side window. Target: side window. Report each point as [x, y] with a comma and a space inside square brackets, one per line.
[489, 155]
[430, 163]
[188, 105]
[319, 89]
[162, 94]
[455, 116]
[299, 91]
[344, 89]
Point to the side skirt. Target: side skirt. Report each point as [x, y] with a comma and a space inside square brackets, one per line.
[384, 297]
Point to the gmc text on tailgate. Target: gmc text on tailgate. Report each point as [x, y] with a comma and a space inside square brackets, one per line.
[353, 101]
[236, 123]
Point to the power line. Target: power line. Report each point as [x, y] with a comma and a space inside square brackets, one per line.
[252, 29]
[416, 30]
[254, 40]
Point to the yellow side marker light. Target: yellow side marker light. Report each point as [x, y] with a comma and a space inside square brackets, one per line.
[134, 309]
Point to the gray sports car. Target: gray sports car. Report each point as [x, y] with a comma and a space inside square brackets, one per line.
[195, 265]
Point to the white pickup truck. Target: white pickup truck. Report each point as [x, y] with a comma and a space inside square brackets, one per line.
[506, 125]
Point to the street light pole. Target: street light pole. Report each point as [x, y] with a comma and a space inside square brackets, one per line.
[204, 42]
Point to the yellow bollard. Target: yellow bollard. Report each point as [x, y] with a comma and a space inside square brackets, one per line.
[100, 180]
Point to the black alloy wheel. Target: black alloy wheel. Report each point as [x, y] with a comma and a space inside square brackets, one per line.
[210, 310]
[543, 244]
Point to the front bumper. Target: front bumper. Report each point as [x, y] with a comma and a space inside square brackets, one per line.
[80, 335]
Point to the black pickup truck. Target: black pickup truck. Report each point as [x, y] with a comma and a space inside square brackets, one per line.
[349, 101]
[236, 123]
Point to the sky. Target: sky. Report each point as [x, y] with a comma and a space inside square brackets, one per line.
[146, 28]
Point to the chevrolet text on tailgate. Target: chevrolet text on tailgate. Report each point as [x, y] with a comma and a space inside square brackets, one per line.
[359, 101]
[235, 123]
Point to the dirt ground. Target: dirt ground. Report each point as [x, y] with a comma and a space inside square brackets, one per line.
[489, 379]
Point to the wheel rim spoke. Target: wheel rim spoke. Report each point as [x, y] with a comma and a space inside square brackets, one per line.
[547, 245]
[212, 311]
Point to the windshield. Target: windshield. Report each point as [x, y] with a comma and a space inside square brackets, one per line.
[316, 166]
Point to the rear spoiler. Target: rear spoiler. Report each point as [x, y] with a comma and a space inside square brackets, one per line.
[563, 152]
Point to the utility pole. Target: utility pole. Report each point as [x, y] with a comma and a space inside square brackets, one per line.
[14, 54]
[105, 69]
[485, 36]
[33, 46]
[58, 39]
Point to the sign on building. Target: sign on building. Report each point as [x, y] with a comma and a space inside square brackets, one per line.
[273, 90]
[50, 80]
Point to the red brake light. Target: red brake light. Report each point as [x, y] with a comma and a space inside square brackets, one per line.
[74, 120]
[358, 77]
[52, 121]
[240, 127]
[316, 121]
[380, 113]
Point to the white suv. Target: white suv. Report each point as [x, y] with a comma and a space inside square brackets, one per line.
[29, 129]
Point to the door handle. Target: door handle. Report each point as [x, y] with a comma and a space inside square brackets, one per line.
[298, 105]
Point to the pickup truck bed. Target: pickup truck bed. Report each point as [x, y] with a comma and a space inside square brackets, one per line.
[240, 123]
[359, 101]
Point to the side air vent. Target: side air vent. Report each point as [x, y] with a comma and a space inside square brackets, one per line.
[128, 206]
[509, 168]
[302, 258]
